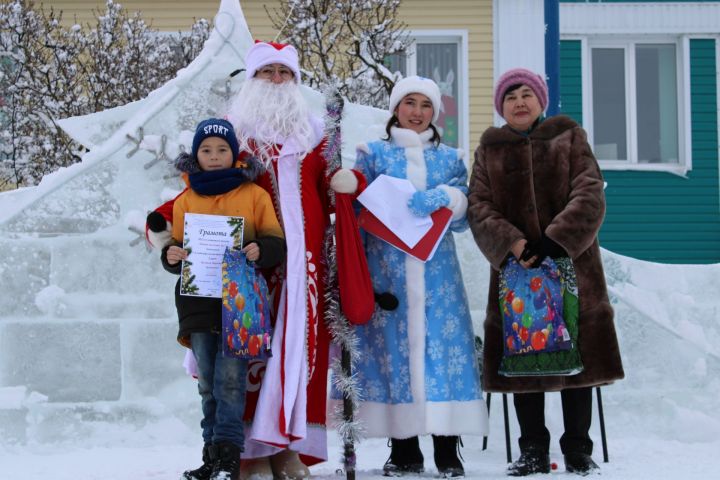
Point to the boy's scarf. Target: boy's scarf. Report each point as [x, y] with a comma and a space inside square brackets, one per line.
[217, 182]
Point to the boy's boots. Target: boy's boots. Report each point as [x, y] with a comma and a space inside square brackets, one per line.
[226, 461]
[405, 457]
[203, 471]
[446, 456]
[286, 465]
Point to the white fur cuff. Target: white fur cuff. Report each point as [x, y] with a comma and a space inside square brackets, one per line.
[458, 201]
[160, 239]
[344, 181]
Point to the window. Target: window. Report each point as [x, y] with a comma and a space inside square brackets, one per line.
[441, 56]
[635, 97]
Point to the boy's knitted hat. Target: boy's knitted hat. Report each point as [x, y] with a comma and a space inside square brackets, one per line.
[520, 76]
[215, 127]
[265, 53]
[415, 84]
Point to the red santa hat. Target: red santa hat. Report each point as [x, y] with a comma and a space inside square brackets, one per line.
[266, 53]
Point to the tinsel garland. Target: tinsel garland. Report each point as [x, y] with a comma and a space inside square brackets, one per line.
[342, 332]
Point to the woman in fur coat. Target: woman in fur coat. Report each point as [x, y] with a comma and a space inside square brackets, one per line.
[418, 371]
[536, 191]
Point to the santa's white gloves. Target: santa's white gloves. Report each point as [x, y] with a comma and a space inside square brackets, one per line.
[158, 230]
[344, 181]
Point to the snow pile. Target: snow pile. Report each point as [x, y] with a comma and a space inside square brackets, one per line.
[662, 420]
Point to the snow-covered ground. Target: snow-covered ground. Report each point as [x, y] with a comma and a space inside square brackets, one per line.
[662, 421]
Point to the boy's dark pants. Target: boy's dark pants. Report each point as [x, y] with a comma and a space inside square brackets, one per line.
[221, 384]
[577, 416]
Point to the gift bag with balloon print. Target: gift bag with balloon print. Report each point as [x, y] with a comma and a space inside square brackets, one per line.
[539, 308]
[246, 327]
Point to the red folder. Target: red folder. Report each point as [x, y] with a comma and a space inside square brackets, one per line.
[425, 248]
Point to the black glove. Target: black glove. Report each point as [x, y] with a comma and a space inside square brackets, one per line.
[546, 247]
[386, 300]
[533, 250]
[156, 222]
[550, 248]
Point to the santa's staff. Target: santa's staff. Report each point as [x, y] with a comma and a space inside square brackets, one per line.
[350, 297]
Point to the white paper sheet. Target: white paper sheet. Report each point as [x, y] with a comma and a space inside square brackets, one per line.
[386, 198]
[207, 237]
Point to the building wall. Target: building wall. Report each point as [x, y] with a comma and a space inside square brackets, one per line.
[474, 16]
[170, 15]
[637, 1]
[659, 216]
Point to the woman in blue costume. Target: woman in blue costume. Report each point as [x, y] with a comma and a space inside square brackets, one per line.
[418, 372]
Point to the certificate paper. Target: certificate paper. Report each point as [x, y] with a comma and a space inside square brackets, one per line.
[386, 198]
[205, 238]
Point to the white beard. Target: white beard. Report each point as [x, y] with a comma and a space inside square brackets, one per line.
[269, 114]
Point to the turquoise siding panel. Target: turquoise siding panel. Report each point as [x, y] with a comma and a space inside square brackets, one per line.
[662, 217]
[658, 216]
[639, 1]
[571, 79]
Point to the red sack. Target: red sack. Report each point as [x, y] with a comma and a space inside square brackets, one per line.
[357, 299]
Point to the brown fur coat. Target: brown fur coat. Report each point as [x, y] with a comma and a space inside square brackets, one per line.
[546, 182]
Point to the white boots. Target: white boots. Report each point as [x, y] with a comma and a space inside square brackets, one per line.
[284, 465]
[256, 469]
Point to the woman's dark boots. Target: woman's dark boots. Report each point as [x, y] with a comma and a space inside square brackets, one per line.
[531, 461]
[203, 471]
[405, 457]
[447, 462]
[580, 463]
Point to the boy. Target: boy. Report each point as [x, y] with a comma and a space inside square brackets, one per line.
[217, 187]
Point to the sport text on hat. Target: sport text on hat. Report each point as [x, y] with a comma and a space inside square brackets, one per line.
[215, 127]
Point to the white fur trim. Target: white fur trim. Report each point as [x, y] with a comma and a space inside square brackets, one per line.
[262, 54]
[190, 364]
[416, 84]
[409, 419]
[160, 239]
[414, 145]
[344, 181]
[314, 445]
[458, 201]
[288, 342]
[405, 137]
[364, 148]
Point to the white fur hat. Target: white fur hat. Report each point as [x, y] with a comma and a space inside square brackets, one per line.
[416, 84]
[265, 53]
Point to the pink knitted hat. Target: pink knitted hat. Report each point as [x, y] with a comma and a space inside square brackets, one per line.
[265, 53]
[520, 76]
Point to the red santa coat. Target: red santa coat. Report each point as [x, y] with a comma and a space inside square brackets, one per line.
[287, 404]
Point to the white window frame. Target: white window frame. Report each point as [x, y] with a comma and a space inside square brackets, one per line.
[628, 43]
[460, 37]
[678, 20]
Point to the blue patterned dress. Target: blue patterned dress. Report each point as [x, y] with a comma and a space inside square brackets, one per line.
[418, 371]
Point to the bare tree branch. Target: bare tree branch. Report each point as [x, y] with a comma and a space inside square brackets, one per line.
[345, 43]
